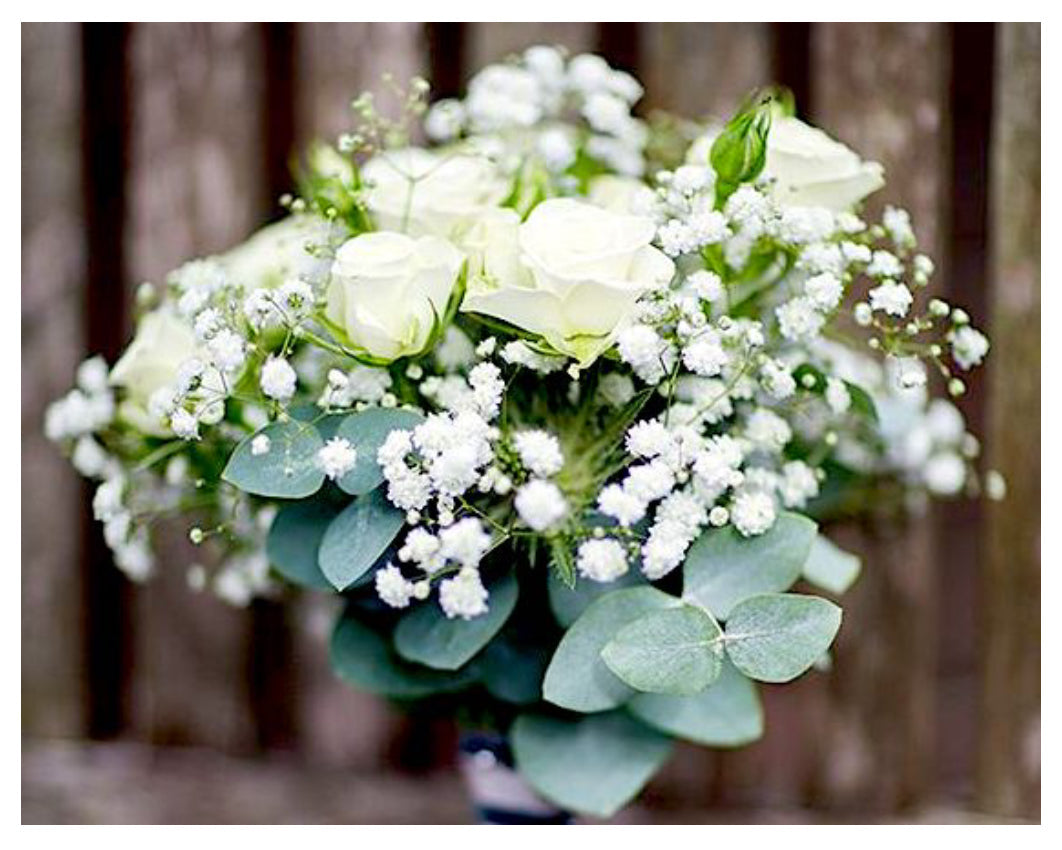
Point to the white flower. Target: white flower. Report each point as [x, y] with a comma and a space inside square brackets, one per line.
[463, 595]
[540, 504]
[837, 396]
[89, 458]
[227, 350]
[716, 466]
[601, 560]
[799, 320]
[907, 372]
[664, 549]
[642, 348]
[556, 148]
[705, 355]
[649, 438]
[945, 422]
[277, 253]
[648, 482]
[465, 542]
[616, 389]
[884, 264]
[520, 353]
[407, 489]
[278, 379]
[768, 431]
[706, 285]
[584, 269]
[968, 346]
[539, 452]
[454, 351]
[502, 96]
[444, 120]
[898, 224]
[752, 512]
[945, 474]
[392, 587]
[799, 484]
[420, 192]
[777, 380]
[184, 424]
[863, 314]
[389, 289]
[260, 445]
[92, 375]
[824, 290]
[622, 506]
[487, 388]
[107, 500]
[891, 297]
[621, 194]
[336, 458]
[134, 558]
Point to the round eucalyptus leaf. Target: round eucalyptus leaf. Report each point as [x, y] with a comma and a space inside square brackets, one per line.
[723, 567]
[288, 470]
[831, 567]
[672, 651]
[426, 635]
[568, 603]
[294, 539]
[593, 765]
[357, 537]
[367, 430]
[777, 636]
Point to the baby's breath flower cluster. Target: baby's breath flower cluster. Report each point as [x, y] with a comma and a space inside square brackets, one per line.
[453, 373]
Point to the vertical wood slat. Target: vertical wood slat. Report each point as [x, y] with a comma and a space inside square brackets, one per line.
[105, 144]
[334, 62]
[53, 249]
[882, 89]
[195, 187]
[493, 42]
[1009, 757]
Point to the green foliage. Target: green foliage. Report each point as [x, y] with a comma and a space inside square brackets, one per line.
[777, 636]
[426, 635]
[862, 403]
[287, 471]
[577, 677]
[727, 713]
[831, 567]
[295, 537]
[357, 537]
[673, 651]
[512, 671]
[723, 567]
[363, 658]
[593, 765]
[568, 603]
[366, 431]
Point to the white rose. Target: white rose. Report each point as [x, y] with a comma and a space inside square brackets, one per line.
[621, 194]
[162, 343]
[387, 289]
[277, 253]
[808, 167]
[580, 271]
[422, 192]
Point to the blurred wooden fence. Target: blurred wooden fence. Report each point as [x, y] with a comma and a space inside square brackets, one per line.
[143, 145]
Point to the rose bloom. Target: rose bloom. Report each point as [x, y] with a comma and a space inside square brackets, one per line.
[421, 192]
[388, 288]
[572, 273]
[809, 169]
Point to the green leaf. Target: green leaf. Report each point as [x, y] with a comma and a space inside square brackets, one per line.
[577, 677]
[426, 635]
[723, 567]
[361, 657]
[862, 403]
[367, 431]
[294, 539]
[831, 567]
[568, 603]
[512, 671]
[357, 538]
[673, 651]
[287, 471]
[727, 713]
[593, 765]
[777, 636]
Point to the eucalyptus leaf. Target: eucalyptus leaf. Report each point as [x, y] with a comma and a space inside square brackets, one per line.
[592, 765]
[367, 430]
[723, 567]
[426, 635]
[357, 537]
[512, 671]
[727, 713]
[673, 651]
[777, 636]
[568, 603]
[288, 470]
[577, 677]
[294, 539]
[831, 567]
[361, 657]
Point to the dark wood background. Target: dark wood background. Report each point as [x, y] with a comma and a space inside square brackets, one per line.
[143, 145]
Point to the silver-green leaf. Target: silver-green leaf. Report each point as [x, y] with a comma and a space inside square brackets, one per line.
[592, 765]
[727, 713]
[673, 651]
[357, 538]
[577, 677]
[367, 430]
[831, 567]
[426, 635]
[288, 470]
[777, 636]
[723, 567]
[294, 539]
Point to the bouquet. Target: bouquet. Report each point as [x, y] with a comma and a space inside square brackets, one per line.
[555, 400]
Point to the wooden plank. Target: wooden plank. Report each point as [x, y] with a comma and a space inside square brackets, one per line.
[882, 89]
[493, 42]
[52, 343]
[195, 188]
[1009, 782]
